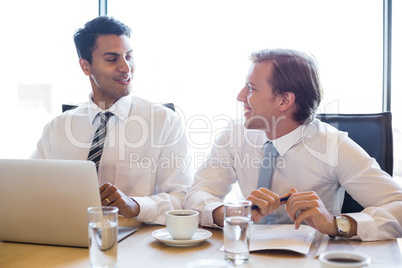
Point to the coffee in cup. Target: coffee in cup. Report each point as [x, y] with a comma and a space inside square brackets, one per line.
[182, 224]
[336, 259]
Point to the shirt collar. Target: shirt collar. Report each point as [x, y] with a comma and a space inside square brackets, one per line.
[284, 143]
[121, 108]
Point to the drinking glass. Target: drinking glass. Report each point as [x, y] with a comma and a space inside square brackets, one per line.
[102, 235]
[237, 231]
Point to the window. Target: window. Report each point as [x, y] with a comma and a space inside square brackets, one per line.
[39, 69]
[396, 96]
[195, 54]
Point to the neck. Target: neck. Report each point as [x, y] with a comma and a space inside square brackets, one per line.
[280, 128]
[103, 104]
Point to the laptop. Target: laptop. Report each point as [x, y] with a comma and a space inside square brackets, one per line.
[46, 201]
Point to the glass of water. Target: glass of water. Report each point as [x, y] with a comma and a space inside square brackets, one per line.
[102, 235]
[237, 231]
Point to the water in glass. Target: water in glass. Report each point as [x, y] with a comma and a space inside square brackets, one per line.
[237, 239]
[103, 244]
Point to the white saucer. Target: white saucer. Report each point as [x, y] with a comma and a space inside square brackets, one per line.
[163, 236]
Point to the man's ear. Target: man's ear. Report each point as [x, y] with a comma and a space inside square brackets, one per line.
[85, 66]
[288, 99]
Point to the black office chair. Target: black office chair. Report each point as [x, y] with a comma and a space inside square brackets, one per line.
[373, 132]
[66, 107]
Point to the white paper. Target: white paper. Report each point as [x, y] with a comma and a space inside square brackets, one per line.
[281, 237]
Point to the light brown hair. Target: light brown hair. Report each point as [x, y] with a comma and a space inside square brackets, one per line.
[296, 72]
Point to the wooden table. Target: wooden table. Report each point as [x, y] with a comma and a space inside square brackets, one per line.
[142, 250]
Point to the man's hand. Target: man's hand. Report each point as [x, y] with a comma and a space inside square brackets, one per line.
[112, 196]
[308, 207]
[218, 216]
[266, 201]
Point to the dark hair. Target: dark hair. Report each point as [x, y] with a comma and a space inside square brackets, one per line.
[85, 38]
[296, 72]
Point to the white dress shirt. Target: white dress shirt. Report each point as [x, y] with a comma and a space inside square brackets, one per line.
[145, 153]
[314, 157]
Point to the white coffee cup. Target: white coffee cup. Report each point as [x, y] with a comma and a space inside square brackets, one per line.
[344, 259]
[182, 224]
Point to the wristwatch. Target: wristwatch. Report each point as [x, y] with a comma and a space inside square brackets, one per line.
[343, 225]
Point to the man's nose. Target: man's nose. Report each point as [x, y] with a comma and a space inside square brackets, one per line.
[125, 67]
[242, 96]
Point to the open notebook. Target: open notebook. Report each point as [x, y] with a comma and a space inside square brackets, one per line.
[46, 201]
[305, 240]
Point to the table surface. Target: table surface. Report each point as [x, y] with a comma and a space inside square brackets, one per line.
[141, 249]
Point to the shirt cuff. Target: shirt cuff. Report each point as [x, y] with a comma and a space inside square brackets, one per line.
[147, 209]
[366, 226]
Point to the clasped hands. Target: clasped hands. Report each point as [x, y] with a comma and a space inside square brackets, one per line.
[112, 196]
[301, 206]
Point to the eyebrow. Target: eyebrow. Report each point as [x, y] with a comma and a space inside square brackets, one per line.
[111, 53]
[116, 54]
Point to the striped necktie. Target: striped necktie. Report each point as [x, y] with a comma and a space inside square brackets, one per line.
[266, 170]
[95, 153]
